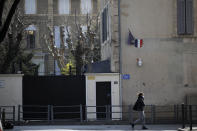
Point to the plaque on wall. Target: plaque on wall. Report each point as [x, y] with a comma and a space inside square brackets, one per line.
[2, 83]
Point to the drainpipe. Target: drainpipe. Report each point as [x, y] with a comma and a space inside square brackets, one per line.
[120, 54]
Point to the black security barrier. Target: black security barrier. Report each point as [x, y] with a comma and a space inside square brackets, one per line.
[7, 113]
[174, 114]
[54, 91]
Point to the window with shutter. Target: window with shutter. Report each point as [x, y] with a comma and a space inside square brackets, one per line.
[64, 6]
[64, 34]
[86, 6]
[31, 31]
[185, 17]
[31, 39]
[105, 24]
[57, 36]
[189, 17]
[181, 17]
[30, 6]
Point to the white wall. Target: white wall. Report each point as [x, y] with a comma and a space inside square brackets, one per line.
[11, 90]
[91, 80]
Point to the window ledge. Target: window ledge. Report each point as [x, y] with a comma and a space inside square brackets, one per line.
[186, 36]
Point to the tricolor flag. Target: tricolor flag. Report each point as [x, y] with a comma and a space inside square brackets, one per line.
[131, 39]
[138, 43]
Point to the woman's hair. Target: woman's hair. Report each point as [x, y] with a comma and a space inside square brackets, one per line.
[140, 94]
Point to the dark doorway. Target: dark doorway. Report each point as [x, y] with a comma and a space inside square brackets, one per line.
[103, 100]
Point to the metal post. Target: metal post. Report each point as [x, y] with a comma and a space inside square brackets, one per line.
[183, 115]
[19, 114]
[14, 114]
[48, 111]
[106, 114]
[3, 116]
[190, 116]
[131, 114]
[52, 113]
[186, 115]
[175, 114]
[0, 113]
[86, 113]
[153, 114]
[81, 113]
[109, 112]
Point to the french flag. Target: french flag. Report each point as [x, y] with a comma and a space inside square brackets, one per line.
[138, 43]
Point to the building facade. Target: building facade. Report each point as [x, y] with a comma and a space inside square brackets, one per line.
[164, 68]
[40, 15]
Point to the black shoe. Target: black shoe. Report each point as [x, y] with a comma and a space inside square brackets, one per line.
[132, 125]
[144, 128]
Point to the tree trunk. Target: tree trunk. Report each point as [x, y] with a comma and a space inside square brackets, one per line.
[5, 27]
[2, 3]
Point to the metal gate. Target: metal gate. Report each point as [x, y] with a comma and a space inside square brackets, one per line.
[53, 90]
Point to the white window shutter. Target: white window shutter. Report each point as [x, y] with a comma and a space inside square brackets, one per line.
[181, 28]
[57, 36]
[189, 17]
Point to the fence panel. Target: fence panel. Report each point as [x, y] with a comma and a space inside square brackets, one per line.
[9, 113]
[171, 114]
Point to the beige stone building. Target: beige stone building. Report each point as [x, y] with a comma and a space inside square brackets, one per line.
[39, 14]
[167, 72]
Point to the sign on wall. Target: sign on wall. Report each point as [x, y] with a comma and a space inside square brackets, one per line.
[2, 83]
[125, 76]
[91, 77]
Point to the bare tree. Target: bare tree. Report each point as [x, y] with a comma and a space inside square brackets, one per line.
[83, 46]
[12, 55]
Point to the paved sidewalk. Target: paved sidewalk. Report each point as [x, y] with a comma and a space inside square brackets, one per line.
[94, 128]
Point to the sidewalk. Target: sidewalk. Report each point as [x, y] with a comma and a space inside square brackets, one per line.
[95, 128]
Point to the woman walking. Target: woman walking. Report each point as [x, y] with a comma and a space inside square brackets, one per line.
[139, 107]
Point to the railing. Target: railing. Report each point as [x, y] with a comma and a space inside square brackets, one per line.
[172, 114]
[33, 113]
[7, 113]
[66, 113]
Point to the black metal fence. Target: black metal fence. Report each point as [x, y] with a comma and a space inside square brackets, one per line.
[7, 113]
[171, 114]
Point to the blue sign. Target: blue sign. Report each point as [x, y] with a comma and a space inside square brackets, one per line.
[126, 76]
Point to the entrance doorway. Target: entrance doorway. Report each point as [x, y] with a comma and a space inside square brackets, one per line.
[103, 100]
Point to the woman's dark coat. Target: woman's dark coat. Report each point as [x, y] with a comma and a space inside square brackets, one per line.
[139, 104]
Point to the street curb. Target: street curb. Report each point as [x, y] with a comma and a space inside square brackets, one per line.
[186, 129]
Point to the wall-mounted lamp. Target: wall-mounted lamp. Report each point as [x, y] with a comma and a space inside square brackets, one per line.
[139, 62]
